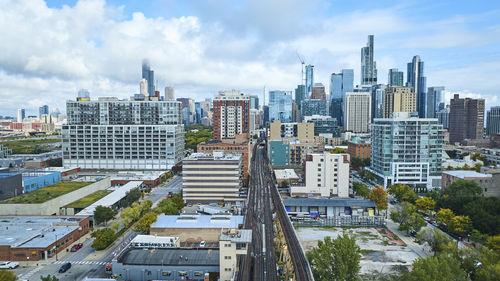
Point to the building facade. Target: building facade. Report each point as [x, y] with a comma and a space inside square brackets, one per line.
[280, 106]
[418, 81]
[357, 112]
[435, 101]
[358, 148]
[293, 131]
[399, 99]
[395, 77]
[493, 121]
[466, 119]
[312, 107]
[233, 244]
[309, 80]
[368, 64]
[318, 92]
[122, 134]
[324, 125]
[377, 92]
[340, 83]
[231, 115]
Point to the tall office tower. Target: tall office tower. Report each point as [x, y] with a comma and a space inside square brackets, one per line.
[212, 177]
[357, 112]
[169, 93]
[493, 121]
[368, 65]
[197, 113]
[83, 95]
[377, 92]
[21, 114]
[143, 87]
[435, 101]
[109, 133]
[280, 106]
[395, 77]
[318, 92]
[443, 117]
[295, 112]
[309, 80]
[44, 109]
[312, 107]
[300, 94]
[340, 83]
[399, 99]
[149, 75]
[254, 102]
[466, 119]
[231, 115]
[408, 150]
[418, 81]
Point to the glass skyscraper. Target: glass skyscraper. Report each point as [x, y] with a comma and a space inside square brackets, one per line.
[417, 80]
[309, 80]
[311, 107]
[149, 75]
[300, 94]
[340, 83]
[368, 65]
[493, 121]
[435, 101]
[280, 106]
[395, 77]
[44, 109]
[377, 101]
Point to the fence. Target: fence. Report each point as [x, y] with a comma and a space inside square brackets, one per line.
[340, 221]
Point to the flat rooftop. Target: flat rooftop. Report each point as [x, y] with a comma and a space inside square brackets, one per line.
[110, 199]
[140, 176]
[213, 156]
[467, 174]
[237, 236]
[35, 231]
[197, 221]
[171, 256]
[286, 174]
[329, 202]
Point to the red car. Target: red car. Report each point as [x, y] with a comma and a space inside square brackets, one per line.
[76, 247]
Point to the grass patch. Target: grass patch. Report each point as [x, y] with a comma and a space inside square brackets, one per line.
[88, 200]
[46, 193]
[30, 146]
[366, 251]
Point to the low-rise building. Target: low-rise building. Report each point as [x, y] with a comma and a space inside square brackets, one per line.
[287, 176]
[233, 244]
[489, 181]
[36, 179]
[149, 179]
[358, 148]
[330, 207]
[11, 185]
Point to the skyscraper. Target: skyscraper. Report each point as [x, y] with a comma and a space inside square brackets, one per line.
[169, 93]
[280, 106]
[395, 77]
[309, 80]
[300, 94]
[231, 115]
[149, 75]
[435, 101]
[368, 65]
[318, 92]
[312, 107]
[340, 83]
[254, 102]
[378, 100]
[44, 109]
[443, 117]
[21, 114]
[399, 99]
[493, 121]
[143, 87]
[357, 112]
[418, 81]
[466, 119]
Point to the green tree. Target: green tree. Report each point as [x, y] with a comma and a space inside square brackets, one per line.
[178, 201]
[478, 237]
[130, 214]
[360, 189]
[167, 207]
[407, 217]
[103, 214]
[435, 238]
[494, 243]
[103, 238]
[145, 206]
[7, 275]
[144, 223]
[461, 225]
[445, 216]
[438, 268]
[367, 175]
[131, 196]
[458, 194]
[402, 193]
[477, 167]
[48, 278]
[425, 204]
[489, 267]
[379, 196]
[336, 259]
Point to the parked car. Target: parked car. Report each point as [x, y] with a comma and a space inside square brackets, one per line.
[9, 264]
[202, 244]
[65, 267]
[76, 247]
[413, 233]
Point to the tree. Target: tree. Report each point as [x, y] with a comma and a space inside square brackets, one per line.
[130, 214]
[144, 223]
[489, 269]
[131, 196]
[494, 243]
[478, 237]
[367, 175]
[402, 192]
[48, 278]
[103, 238]
[360, 189]
[445, 216]
[337, 150]
[477, 167]
[379, 196]
[407, 217]
[167, 207]
[178, 201]
[336, 259]
[103, 214]
[435, 238]
[145, 207]
[458, 194]
[7, 275]
[461, 225]
[425, 204]
[439, 268]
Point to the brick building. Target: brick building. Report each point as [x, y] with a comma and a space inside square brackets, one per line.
[358, 148]
[231, 115]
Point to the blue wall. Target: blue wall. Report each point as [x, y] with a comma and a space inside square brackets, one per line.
[279, 153]
[31, 183]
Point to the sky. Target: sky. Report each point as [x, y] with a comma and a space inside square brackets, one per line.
[51, 49]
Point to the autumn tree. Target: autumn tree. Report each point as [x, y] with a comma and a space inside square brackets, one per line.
[379, 196]
[144, 223]
[425, 204]
[336, 259]
[7, 275]
[461, 225]
[445, 216]
[130, 214]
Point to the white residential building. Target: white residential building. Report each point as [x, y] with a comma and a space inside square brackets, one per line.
[357, 112]
[232, 244]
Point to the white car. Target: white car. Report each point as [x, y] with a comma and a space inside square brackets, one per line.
[9, 264]
[202, 244]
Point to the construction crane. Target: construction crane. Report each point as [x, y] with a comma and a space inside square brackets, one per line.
[302, 78]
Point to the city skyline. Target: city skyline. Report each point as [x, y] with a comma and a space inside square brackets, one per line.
[102, 51]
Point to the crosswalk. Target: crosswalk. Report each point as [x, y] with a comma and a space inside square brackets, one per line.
[29, 273]
[82, 262]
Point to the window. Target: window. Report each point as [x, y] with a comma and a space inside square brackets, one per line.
[166, 273]
[227, 269]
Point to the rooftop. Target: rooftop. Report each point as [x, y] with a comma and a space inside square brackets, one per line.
[197, 221]
[171, 256]
[46, 193]
[286, 174]
[136, 175]
[237, 235]
[467, 174]
[330, 202]
[213, 156]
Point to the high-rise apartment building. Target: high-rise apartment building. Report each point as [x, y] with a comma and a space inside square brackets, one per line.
[395, 77]
[312, 107]
[231, 115]
[328, 174]
[44, 109]
[418, 81]
[300, 95]
[466, 119]
[212, 178]
[368, 64]
[122, 134]
[169, 93]
[149, 75]
[280, 106]
[340, 83]
[435, 101]
[318, 92]
[408, 150]
[399, 99]
[493, 121]
[357, 112]
[309, 80]
[21, 114]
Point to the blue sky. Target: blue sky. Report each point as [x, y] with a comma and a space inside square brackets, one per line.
[51, 49]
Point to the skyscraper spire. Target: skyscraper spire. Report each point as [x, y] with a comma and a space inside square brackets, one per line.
[368, 64]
